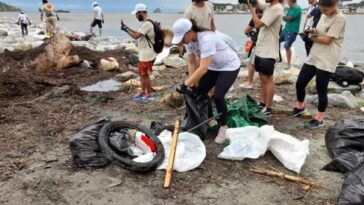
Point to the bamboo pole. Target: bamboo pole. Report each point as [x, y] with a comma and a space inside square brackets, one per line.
[169, 170]
[276, 173]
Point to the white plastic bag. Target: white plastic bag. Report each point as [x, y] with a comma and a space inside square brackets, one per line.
[253, 142]
[190, 151]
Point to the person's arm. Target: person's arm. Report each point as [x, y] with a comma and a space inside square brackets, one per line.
[326, 40]
[213, 28]
[333, 33]
[199, 73]
[29, 21]
[248, 30]
[41, 15]
[191, 64]
[135, 34]
[102, 15]
[257, 22]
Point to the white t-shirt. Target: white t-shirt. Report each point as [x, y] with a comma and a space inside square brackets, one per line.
[210, 44]
[146, 52]
[98, 12]
[202, 15]
[326, 57]
[268, 37]
[23, 19]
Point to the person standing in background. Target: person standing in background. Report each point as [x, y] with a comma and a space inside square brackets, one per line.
[267, 49]
[202, 12]
[327, 39]
[146, 53]
[253, 33]
[51, 16]
[291, 28]
[312, 18]
[23, 21]
[98, 18]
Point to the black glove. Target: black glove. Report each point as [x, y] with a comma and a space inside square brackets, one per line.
[182, 88]
[124, 27]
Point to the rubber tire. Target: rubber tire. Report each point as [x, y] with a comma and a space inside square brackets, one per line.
[125, 162]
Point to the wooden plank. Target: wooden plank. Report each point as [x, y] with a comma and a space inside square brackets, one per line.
[169, 170]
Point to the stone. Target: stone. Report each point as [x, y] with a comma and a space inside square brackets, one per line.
[23, 46]
[345, 100]
[168, 35]
[132, 82]
[286, 76]
[131, 47]
[108, 64]
[55, 55]
[126, 76]
[159, 67]
[361, 94]
[86, 64]
[332, 88]
[174, 61]
[3, 32]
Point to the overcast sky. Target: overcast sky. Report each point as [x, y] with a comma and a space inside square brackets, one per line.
[115, 5]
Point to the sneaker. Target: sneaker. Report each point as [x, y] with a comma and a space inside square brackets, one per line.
[261, 106]
[221, 136]
[313, 124]
[297, 112]
[288, 67]
[137, 96]
[267, 112]
[146, 100]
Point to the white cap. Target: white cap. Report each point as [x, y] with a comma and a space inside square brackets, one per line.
[94, 4]
[180, 28]
[139, 7]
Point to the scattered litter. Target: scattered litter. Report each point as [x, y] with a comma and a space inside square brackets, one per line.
[190, 152]
[345, 100]
[103, 86]
[108, 64]
[277, 98]
[253, 142]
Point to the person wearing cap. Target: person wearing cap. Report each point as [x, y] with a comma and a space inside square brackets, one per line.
[146, 53]
[327, 37]
[98, 17]
[267, 48]
[23, 21]
[219, 66]
[51, 15]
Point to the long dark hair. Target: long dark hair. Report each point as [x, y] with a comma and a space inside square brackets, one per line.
[196, 28]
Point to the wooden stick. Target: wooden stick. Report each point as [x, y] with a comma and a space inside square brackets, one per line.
[275, 173]
[169, 170]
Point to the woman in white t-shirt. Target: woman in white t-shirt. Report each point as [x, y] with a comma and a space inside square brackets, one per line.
[327, 40]
[219, 65]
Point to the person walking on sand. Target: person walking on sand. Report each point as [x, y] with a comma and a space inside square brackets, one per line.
[146, 53]
[327, 39]
[98, 18]
[218, 67]
[51, 16]
[23, 21]
[253, 33]
[267, 48]
[291, 28]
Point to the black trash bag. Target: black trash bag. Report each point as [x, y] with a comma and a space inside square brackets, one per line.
[121, 140]
[345, 162]
[85, 148]
[345, 136]
[196, 112]
[345, 144]
[345, 76]
[352, 191]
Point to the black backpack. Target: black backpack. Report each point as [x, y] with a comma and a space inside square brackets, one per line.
[345, 76]
[158, 44]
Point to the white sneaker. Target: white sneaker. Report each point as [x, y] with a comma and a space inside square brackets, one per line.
[221, 136]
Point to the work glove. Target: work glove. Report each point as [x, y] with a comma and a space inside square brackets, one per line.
[123, 26]
[182, 89]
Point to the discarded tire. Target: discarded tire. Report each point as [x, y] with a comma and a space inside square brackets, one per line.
[122, 159]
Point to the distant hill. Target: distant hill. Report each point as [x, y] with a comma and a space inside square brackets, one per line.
[5, 7]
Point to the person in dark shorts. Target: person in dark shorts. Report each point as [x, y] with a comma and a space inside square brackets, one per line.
[23, 21]
[98, 18]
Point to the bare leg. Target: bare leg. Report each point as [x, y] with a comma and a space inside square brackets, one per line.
[262, 88]
[269, 90]
[289, 56]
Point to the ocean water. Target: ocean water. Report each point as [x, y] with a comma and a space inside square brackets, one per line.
[233, 25]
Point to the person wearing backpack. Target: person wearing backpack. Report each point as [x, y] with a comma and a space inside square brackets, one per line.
[327, 37]
[146, 51]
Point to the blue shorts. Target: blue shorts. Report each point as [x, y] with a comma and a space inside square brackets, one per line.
[288, 37]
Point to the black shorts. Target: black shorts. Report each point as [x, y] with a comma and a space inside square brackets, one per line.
[96, 22]
[264, 65]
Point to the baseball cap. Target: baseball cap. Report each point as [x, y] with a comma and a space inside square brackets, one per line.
[139, 7]
[94, 4]
[180, 28]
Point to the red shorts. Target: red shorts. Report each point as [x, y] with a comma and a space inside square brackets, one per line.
[145, 67]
